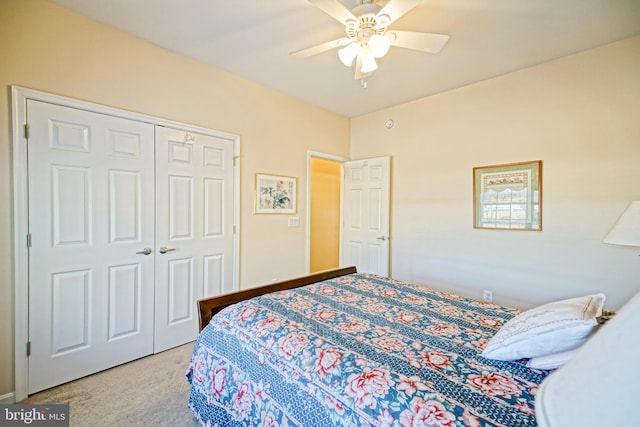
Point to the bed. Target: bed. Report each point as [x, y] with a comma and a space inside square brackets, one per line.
[348, 349]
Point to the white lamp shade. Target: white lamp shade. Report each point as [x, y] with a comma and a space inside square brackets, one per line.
[598, 386]
[368, 62]
[348, 53]
[627, 230]
[379, 45]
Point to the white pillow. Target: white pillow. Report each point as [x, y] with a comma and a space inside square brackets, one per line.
[551, 361]
[550, 328]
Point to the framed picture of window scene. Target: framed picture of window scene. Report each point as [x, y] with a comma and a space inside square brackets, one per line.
[275, 194]
[508, 197]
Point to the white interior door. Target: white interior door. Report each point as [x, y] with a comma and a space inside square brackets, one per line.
[91, 193]
[365, 215]
[195, 229]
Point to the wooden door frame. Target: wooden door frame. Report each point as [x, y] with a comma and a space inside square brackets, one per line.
[20, 199]
[325, 156]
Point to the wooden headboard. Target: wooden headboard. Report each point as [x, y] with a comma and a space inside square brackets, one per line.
[208, 307]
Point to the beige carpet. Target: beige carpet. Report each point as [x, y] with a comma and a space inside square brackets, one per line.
[151, 391]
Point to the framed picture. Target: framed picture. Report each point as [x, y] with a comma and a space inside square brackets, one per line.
[275, 194]
[508, 197]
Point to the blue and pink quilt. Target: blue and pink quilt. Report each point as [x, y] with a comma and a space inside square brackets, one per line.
[358, 350]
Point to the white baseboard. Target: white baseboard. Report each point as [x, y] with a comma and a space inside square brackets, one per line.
[7, 399]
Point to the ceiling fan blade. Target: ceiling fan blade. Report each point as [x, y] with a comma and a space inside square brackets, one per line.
[396, 8]
[334, 9]
[314, 50]
[425, 42]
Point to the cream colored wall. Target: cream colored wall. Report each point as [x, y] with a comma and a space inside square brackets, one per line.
[47, 48]
[581, 116]
[578, 114]
[324, 227]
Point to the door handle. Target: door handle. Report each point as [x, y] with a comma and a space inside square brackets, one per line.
[145, 251]
[381, 238]
[164, 250]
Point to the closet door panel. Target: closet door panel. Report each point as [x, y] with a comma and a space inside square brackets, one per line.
[194, 218]
[91, 210]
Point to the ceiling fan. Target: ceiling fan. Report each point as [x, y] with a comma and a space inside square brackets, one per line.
[368, 35]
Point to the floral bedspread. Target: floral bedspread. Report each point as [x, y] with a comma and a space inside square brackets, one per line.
[359, 350]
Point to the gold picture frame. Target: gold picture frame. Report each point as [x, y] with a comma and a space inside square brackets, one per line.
[508, 196]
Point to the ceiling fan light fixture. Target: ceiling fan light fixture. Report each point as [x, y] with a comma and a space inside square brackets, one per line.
[348, 53]
[367, 38]
[379, 44]
[368, 62]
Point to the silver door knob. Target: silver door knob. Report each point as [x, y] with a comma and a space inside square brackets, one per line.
[164, 249]
[381, 238]
[145, 251]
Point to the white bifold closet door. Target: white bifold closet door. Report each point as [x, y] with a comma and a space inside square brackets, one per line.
[130, 224]
[91, 209]
[194, 223]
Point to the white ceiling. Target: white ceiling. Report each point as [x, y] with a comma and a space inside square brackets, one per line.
[253, 39]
